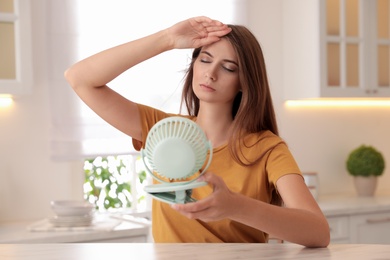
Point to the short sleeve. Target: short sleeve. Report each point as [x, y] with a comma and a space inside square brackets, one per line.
[280, 162]
[148, 116]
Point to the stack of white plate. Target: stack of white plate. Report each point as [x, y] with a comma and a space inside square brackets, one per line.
[71, 213]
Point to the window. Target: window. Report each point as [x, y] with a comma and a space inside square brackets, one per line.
[77, 29]
[116, 183]
[90, 26]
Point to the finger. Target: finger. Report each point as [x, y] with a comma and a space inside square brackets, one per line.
[213, 180]
[192, 211]
[204, 215]
[220, 33]
[206, 21]
[213, 26]
[203, 19]
[208, 38]
[216, 28]
[191, 207]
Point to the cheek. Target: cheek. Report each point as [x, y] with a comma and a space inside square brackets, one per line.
[235, 85]
[197, 70]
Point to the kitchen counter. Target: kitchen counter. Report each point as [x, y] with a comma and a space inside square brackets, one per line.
[105, 230]
[341, 204]
[344, 213]
[152, 251]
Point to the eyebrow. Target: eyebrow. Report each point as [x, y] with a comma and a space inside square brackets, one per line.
[226, 60]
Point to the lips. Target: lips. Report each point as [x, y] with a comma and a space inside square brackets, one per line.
[206, 87]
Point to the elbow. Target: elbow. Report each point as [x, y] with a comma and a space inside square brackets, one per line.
[322, 238]
[326, 239]
[68, 75]
[322, 233]
[71, 76]
[320, 242]
[323, 242]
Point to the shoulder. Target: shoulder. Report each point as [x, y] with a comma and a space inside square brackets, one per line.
[265, 139]
[150, 115]
[278, 157]
[255, 147]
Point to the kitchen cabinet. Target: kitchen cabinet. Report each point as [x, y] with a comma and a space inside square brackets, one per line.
[339, 229]
[15, 47]
[370, 228]
[357, 220]
[336, 48]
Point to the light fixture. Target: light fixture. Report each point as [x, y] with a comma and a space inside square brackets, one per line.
[5, 101]
[328, 102]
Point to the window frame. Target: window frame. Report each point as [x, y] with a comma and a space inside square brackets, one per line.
[21, 18]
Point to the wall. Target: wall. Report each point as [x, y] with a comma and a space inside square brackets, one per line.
[28, 178]
[319, 138]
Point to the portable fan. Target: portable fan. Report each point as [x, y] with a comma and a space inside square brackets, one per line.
[175, 150]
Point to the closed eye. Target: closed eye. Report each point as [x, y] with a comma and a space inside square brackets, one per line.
[228, 65]
[229, 69]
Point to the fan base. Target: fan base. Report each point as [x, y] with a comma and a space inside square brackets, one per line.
[173, 193]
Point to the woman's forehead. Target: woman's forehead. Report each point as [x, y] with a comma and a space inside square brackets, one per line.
[222, 48]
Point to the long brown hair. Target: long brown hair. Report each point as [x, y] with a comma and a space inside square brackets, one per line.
[252, 109]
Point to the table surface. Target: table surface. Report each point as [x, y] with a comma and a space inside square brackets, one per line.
[190, 251]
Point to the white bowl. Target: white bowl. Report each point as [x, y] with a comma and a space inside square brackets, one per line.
[71, 207]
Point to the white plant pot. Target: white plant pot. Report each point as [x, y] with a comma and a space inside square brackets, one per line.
[365, 186]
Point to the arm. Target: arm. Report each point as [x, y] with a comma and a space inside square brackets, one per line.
[90, 76]
[300, 221]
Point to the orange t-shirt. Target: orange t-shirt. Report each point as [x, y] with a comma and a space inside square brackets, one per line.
[257, 181]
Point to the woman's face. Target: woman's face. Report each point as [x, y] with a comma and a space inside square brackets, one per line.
[215, 73]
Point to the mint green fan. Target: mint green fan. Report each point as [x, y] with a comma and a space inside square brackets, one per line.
[176, 148]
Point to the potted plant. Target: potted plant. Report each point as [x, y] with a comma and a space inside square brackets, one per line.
[365, 164]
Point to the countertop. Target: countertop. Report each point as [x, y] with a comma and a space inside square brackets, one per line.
[107, 229]
[152, 251]
[348, 204]
[331, 205]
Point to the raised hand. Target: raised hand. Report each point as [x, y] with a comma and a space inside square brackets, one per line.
[196, 32]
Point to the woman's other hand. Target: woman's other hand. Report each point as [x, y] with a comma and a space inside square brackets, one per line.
[196, 32]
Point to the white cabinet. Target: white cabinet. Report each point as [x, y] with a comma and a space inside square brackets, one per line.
[336, 48]
[15, 47]
[357, 220]
[339, 229]
[370, 228]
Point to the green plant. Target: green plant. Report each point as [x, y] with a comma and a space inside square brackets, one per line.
[365, 161]
[108, 182]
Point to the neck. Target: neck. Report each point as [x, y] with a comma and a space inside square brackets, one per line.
[216, 125]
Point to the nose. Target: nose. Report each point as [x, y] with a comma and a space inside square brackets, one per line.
[211, 74]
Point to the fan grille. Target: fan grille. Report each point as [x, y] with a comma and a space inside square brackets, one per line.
[176, 148]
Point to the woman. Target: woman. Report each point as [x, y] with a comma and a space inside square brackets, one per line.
[226, 93]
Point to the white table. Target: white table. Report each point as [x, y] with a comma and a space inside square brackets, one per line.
[152, 251]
